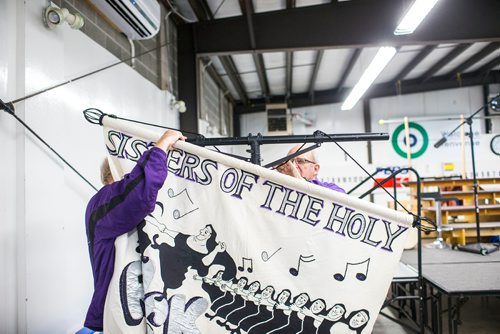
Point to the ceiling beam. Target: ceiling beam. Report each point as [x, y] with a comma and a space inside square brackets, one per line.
[380, 90]
[368, 23]
[488, 49]
[444, 61]
[348, 69]
[248, 10]
[203, 12]
[187, 90]
[289, 75]
[314, 76]
[290, 4]
[212, 72]
[201, 9]
[414, 62]
[258, 59]
[232, 73]
[489, 66]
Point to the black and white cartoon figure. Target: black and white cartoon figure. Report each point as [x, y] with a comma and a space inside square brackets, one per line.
[264, 310]
[144, 240]
[294, 321]
[334, 315]
[357, 320]
[228, 298]
[249, 306]
[237, 291]
[148, 267]
[278, 317]
[311, 316]
[212, 286]
[183, 252]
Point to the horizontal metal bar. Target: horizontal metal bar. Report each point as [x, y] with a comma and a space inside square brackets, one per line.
[340, 137]
[369, 23]
[410, 86]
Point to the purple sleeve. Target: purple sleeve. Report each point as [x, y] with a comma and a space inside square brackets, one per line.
[122, 205]
[329, 185]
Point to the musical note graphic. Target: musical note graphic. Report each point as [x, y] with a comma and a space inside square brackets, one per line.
[302, 258]
[176, 213]
[171, 194]
[360, 276]
[266, 256]
[249, 268]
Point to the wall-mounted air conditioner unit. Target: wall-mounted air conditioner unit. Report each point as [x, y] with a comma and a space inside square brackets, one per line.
[138, 19]
[279, 119]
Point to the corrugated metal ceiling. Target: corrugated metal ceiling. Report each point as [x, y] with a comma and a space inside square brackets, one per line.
[332, 67]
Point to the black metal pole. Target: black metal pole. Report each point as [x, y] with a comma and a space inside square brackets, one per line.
[478, 247]
[443, 140]
[421, 309]
[255, 152]
[340, 137]
[256, 141]
[419, 258]
[474, 178]
[363, 182]
[394, 187]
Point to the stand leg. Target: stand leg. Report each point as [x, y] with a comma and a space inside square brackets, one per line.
[478, 247]
[439, 242]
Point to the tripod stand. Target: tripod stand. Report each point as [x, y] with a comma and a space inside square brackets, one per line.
[478, 247]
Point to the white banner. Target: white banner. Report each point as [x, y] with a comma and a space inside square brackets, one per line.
[235, 248]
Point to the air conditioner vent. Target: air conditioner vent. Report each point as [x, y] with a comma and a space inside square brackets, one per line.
[278, 119]
[138, 19]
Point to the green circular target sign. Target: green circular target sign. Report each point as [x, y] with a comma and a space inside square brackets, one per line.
[419, 140]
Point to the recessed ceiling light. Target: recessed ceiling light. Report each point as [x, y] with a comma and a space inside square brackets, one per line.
[415, 15]
[382, 58]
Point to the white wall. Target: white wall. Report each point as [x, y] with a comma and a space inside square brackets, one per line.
[337, 167]
[9, 196]
[46, 280]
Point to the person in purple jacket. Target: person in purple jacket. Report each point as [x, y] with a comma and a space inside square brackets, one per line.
[305, 166]
[118, 208]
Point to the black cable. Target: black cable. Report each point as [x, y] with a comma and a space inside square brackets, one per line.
[364, 170]
[424, 228]
[86, 75]
[218, 7]
[416, 220]
[290, 157]
[9, 108]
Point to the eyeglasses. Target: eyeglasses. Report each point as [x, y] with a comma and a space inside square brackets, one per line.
[302, 161]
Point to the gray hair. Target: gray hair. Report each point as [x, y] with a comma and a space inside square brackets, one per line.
[106, 176]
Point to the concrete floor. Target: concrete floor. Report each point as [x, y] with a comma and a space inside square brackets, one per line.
[480, 315]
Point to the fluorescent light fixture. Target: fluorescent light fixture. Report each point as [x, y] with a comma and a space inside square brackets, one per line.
[382, 58]
[415, 15]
